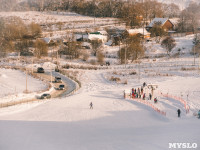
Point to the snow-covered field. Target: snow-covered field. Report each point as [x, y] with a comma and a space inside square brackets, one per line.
[13, 85]
[59, 20]
[114, 123]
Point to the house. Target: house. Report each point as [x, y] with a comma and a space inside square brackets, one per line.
[81, 36]
[164, 22]
[139, 31]
[48, 40]
[99, 35]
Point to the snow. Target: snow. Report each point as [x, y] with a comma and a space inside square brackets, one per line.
[140, 30]
[14, 82]
[68, 20]
[183, 44]
[101, 37]
[156, 20]
[114, 123]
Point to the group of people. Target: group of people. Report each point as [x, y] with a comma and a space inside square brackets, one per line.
[139, 93]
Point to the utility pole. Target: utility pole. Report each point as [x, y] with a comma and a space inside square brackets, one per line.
[139, 71]
[94, 13]
[26, 91]
[182, 18]
[125, 55]
[195, 47]
[32, 65]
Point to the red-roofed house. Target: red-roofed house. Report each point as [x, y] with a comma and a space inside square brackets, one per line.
[164, 22]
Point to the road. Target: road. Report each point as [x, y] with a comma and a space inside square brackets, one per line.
[71, 85]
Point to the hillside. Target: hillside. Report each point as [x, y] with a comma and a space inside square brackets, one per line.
[68, 123]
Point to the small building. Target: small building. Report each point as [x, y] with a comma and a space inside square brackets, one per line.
[164, 22]
[81, 36]
[48, 40]
[139, 31]
[99, 35]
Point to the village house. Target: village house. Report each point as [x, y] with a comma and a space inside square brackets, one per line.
[140, 31]
[99, 35]
[164, 22]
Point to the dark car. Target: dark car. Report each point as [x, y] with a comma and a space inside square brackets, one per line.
[61, 87]
[45, 96]
[40, 70]
[58, 79]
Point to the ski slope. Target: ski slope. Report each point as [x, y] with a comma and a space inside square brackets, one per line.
[115, 123]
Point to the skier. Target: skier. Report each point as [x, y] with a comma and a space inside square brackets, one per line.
[133, 94]
[141, 90]
[91, 105]
[155, 100]
[144, 84]
[138, 91]
[179, 112]
[150, 96]
[144, 96]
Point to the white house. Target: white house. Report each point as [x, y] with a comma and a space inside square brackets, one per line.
[99, 35]
[139, 31]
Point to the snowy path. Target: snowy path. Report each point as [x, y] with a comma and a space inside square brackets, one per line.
[95, 81]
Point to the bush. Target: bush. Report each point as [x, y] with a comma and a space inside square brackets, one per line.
[132, 73]
[93, 62]
[85, 56]
[116, 79]
[100, 57]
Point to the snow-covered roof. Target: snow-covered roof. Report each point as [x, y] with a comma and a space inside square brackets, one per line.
[47, 40]
[175, 21]
[139, 30]
[156, 20]
[103, 32]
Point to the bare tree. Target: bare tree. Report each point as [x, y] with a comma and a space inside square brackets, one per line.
[132, 49]
[168, 43]
[41, 48]
[96, 46]
[100, 57]
[158, 31]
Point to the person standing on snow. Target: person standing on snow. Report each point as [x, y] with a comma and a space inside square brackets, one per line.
[91, 105]
[155, 100]
[179, 112]
[144, 96]
[150, 96]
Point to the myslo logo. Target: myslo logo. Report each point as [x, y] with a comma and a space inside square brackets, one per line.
[183, 145]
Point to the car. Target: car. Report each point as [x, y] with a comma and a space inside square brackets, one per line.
[61, 87]
[40, 70]
[58, 80]
[45, 96]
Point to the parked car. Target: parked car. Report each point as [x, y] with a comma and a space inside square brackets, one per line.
[45, 96]
[58, 79]
[40, 70]
[61, 87]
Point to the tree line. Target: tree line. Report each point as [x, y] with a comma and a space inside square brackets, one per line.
[15, 36]
[128, 11]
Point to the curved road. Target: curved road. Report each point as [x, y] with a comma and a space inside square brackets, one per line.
[71, 85]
